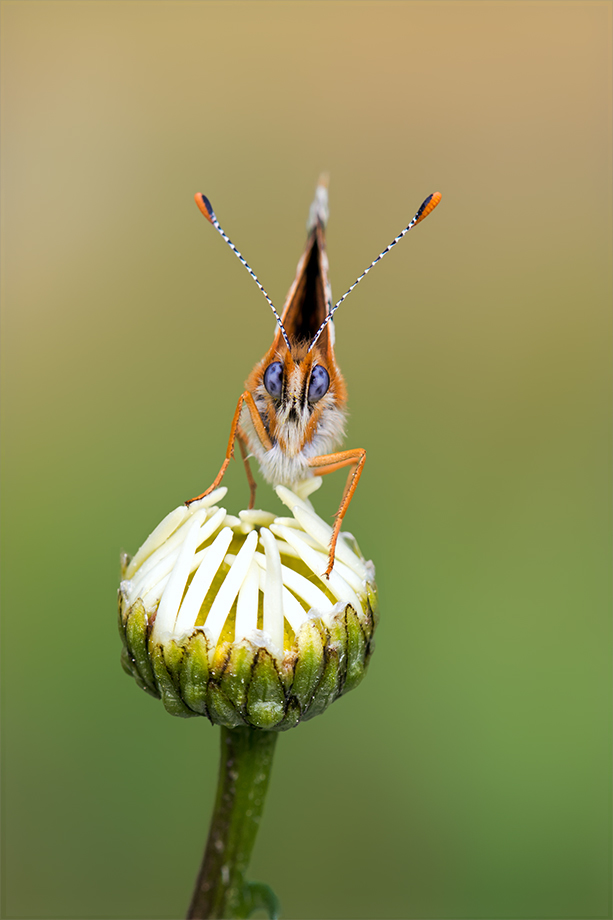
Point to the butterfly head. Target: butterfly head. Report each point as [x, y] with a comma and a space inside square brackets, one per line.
[298, 392]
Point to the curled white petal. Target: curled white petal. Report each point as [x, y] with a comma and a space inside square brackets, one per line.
[290, 499]
[202, 581]
[285, 549]
[209, 500]
[171, 598]
[273, 594]
[232, 521]
[161, 533]
[322, 532]
[337, 585]
[350, 576]
[293, 611]
[149, 576]
[152, 597]
[307, 487]
[233, 581]
[314, 596]
[288, 522]
[256, 517]
[169, 525]
[247, 604]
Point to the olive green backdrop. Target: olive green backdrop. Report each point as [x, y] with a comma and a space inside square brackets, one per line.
[469, 775]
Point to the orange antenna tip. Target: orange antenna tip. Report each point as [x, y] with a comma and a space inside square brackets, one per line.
[204, 206]
[428, 206]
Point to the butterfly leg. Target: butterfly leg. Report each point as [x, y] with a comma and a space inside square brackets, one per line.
[328, 463]
[235, 432]
[244, 449]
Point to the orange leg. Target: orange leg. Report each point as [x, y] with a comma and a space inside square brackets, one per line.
[244, 449]
[328, 463]
[235, 432]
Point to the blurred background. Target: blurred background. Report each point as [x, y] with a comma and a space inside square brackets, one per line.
[469, 775]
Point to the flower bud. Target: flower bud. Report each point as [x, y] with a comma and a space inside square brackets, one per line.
[232, 618]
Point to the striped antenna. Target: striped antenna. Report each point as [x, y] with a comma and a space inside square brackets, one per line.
[204, 206]
[426, 208]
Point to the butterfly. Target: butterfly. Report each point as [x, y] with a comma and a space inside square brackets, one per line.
[291, 415]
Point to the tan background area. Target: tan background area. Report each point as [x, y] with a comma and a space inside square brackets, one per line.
[469, 775]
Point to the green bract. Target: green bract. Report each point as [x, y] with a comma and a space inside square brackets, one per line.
[230, 617]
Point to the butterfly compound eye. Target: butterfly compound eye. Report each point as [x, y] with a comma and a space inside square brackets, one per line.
[320, 381]
[273, 378]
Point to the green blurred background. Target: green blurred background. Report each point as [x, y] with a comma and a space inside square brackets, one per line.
[469, 776]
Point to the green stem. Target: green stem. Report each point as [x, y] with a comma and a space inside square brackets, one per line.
[221, 889]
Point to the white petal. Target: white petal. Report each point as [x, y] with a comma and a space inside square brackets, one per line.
[247, 605]
[257, 517]
[244, 527]
[309, 592]
[337, 585]
[151, 598]
[166, 556]
[307, 486]
[290, 499]
[232, 521]
[286, 550]
[148, 579]
[288, 522]
[277, 530]
[201, 582]
[349, 574]
[172, 544]
[164, 529]
[209, 500]
[171, 598]
[273, 596]
[293, 611]
[322, 532]
[232, 583]
[152, 595]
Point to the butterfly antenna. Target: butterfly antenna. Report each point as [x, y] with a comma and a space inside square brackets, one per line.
[426, 208]
[204, 206]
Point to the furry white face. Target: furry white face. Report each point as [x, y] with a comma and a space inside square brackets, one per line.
[294, 411]
[294, 395]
